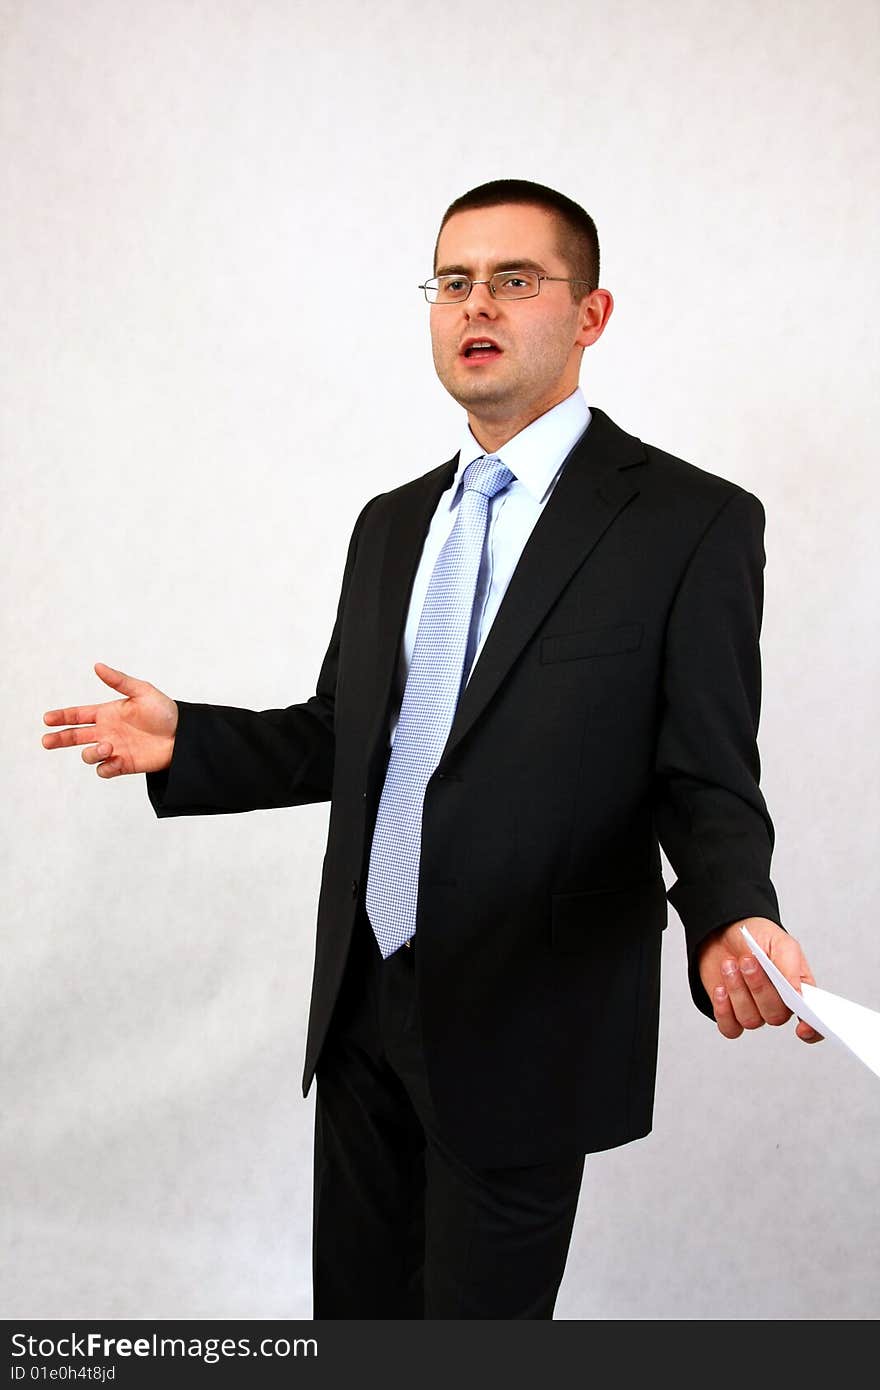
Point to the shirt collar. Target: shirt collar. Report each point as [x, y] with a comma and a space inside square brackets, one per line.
[536, 454]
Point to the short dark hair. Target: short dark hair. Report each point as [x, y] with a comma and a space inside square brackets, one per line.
[578, 239]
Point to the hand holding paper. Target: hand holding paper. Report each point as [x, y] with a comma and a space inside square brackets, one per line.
[743, 996]
[852, 1024]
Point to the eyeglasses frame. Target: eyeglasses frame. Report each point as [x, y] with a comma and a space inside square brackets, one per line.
[562, 279]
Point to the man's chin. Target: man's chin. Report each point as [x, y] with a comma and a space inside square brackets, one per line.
[486, 394]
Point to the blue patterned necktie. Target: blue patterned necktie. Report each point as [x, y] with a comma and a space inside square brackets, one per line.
[432, 690]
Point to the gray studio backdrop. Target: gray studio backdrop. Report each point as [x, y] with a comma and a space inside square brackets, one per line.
[215, 217]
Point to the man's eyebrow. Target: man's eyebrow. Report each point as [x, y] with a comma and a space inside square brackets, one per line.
[521, 263]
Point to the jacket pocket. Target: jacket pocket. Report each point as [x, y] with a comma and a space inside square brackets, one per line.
[602, 640]
[577, 919]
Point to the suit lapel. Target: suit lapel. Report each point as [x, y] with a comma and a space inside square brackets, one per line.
[593, 489]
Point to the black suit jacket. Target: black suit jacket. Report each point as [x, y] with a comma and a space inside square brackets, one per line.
[614, 705]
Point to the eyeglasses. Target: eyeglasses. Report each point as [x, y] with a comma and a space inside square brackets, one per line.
[505, 284]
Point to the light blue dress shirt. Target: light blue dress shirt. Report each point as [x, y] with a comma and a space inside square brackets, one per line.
[535, 457]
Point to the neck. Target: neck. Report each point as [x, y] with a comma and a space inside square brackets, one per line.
[492, 433]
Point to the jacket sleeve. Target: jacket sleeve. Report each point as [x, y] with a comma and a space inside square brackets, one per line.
[710, 815]
[227, 759]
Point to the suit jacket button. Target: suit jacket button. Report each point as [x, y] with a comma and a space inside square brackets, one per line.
[354, 887]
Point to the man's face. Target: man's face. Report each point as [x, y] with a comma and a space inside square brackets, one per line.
[535, 359]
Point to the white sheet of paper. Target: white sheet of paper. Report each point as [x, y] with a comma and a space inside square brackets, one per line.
[854, 1025]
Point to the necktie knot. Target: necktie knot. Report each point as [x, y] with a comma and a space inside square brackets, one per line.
[487, 475]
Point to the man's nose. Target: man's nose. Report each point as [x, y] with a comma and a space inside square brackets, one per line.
[480, 302]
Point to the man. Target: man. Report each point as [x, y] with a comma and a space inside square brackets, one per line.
[545, 657]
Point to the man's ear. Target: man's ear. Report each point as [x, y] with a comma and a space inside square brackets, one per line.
[596, 309]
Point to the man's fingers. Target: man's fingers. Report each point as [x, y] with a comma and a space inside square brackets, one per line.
[70, 738]
[87, 714]
[724, 1015]
[96, 752]
[744, 1007]
[771, 1007]
[79, 714]
[111, 767]
[127, 685]
[808, 1034]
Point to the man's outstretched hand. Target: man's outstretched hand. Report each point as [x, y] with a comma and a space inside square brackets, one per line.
[134, 734]
[742, 996]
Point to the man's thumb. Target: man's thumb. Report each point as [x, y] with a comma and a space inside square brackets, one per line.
[127, 685]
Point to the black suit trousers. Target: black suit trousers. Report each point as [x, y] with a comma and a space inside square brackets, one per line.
[402, 1227]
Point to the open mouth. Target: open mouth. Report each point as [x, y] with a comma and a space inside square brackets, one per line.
[480, 349]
